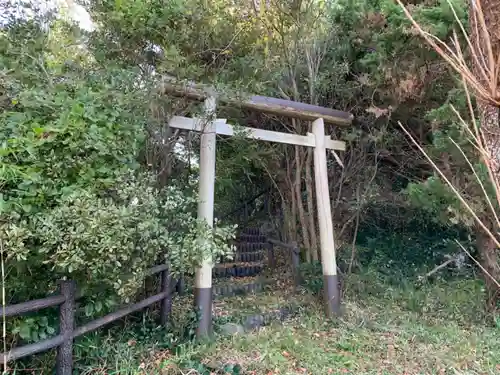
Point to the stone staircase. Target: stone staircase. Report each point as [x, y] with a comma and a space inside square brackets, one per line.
[243, 272]
[245, 275]
[251, 273]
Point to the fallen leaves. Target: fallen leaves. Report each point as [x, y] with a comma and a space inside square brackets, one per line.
[378, 112]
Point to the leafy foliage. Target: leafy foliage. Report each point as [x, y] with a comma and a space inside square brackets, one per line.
[76, 201]
[409, 247]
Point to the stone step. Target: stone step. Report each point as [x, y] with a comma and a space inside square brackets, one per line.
[250, 231]
[253, 256]
[257, 321]
[253, 238]
[249, 247]
[238, 271]
[235, 289]
[235, 286]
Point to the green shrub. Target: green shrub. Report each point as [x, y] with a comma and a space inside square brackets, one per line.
[406, 241]
[75, 200]
[312, 277]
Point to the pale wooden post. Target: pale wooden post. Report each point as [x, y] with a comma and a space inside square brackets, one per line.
[328, 260]
[203, 282]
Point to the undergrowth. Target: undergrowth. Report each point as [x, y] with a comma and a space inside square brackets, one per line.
[434, 328]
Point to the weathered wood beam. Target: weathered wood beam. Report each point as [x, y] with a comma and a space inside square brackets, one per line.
[223, 128]
[275, 106]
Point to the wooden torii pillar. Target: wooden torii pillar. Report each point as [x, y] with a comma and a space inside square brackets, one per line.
[209, 126]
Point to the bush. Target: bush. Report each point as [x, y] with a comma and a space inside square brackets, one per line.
[75, 201]
[404, 241]
[312, 277]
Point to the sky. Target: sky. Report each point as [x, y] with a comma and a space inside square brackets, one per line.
[65, 8]
[78, 14]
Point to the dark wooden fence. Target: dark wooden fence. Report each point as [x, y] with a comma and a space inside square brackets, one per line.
[66, 300]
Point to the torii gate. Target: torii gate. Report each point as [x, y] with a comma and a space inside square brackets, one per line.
[210, 127]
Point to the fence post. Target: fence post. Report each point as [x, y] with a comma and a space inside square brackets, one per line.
[180, 286]
[64, 364]
[296, 263]
[245, 214]
[270, 255]
[166, 303]
[266, 204]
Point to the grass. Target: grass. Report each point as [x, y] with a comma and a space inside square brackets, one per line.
[431, 329]
[388, 334]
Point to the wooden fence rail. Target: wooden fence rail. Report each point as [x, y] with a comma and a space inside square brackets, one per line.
[38, 304]
[66, 300]
[294, 255]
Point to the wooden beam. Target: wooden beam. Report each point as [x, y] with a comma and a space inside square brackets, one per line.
[302, 111]
[272, 136]
[223, 128]
[192, 123]
[275, 106]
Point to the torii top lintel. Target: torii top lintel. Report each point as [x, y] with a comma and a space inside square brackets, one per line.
[280, 107]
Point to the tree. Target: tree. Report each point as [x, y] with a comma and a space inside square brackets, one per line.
[480, 74]
[486, 42]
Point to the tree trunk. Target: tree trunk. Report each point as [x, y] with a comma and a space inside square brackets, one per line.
[310, 206]
[489, 260]
[300, 204]
[489, 120]
[291, 219]
[489, 254]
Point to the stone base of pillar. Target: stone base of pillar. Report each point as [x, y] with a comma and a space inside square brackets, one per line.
[331, 288]
[203, 304]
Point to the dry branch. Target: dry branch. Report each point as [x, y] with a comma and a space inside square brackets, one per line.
[439, 267]
[480, 75]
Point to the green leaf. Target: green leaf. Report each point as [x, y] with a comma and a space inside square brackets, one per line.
[89, 309]
[30, 321]
[34, 336]
[25, 331]
[38, 130]
[43, 321]
[3, 204]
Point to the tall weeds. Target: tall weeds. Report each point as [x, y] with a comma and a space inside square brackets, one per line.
[479, 72]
